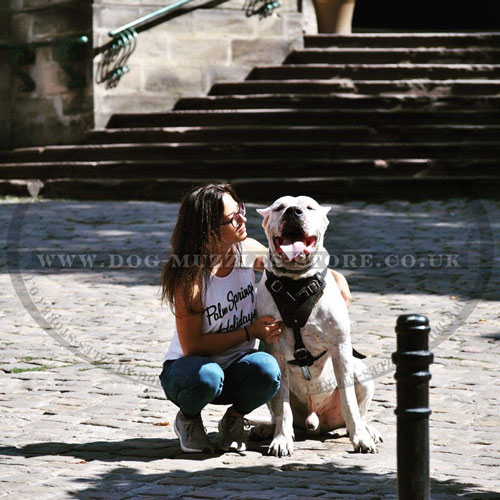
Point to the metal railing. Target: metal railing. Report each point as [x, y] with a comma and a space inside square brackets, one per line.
[70, 50]
[143, 23]
[113, 63]
[115, 55]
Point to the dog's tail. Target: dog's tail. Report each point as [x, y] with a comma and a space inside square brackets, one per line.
[312, 422]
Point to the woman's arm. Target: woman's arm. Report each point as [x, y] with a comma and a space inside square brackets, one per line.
[256, 252]
[195, 343]
[344, 287]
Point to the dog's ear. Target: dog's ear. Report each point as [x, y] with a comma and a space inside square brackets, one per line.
[325, 209]
[263, 211]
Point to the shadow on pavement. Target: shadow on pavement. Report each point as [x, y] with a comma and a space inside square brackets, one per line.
[282, 478]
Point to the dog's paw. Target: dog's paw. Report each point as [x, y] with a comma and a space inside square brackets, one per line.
[375, 434]
[261, 432]
[363, 442]
[281, 446]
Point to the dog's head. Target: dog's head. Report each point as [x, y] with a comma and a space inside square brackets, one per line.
[295, 228]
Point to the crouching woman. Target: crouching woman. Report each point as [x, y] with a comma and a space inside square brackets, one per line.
[213, 357]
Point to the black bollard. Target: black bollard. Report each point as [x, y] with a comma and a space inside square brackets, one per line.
[412, 375]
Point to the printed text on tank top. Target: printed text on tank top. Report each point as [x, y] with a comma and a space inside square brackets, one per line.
[230, 304]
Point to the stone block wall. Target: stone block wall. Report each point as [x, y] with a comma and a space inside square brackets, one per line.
[5, 84]
[181, 57]
[186, 55]
[52, 113]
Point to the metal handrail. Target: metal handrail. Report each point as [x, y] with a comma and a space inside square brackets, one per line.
[70, 50]
[141, 24]
[115, 54]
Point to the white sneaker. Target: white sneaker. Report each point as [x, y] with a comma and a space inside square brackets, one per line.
[232, 430]
[192, 434]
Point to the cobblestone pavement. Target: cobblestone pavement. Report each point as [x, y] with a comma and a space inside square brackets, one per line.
[83, 415]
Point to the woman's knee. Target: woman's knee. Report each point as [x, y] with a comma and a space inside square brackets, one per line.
[209, 380]
[265, 369]
[197, 374]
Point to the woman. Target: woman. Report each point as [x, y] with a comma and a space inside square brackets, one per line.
[213, 357]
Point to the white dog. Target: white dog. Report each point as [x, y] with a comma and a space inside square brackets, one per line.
[328, 392]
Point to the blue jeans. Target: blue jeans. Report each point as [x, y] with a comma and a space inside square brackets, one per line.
[192, 382]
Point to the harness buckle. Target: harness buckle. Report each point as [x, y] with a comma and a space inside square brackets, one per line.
[301, 354]
[313, 287]
[310, 289]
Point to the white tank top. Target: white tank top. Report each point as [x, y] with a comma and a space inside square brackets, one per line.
[229, 303]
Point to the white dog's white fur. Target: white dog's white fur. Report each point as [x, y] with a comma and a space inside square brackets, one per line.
[322, 404]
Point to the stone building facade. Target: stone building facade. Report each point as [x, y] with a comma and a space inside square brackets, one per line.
[52, 112]
[183, 56]
[5, 84]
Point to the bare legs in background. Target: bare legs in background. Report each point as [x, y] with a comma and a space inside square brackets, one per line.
[334, 16]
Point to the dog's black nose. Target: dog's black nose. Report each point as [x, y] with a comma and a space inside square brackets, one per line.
[294, 212]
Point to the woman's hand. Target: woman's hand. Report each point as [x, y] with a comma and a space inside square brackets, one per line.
[266, 328]
[344, 287]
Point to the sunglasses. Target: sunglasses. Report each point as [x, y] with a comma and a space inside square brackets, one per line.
[237, 218]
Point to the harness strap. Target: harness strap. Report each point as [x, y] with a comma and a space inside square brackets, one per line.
[295, 300]
[303, 357]
[295, 306]
[295, 309]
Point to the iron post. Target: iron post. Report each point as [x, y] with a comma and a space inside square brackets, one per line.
[412, 360]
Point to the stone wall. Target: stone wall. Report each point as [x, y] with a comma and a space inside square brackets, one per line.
[186, 55]
[181, 57]
[52, 113]
[5, 83]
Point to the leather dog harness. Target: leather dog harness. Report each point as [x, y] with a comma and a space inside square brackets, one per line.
[295, 300]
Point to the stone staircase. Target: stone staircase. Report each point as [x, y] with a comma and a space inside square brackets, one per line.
[365, 116]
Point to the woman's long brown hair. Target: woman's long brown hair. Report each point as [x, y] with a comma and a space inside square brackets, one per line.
[195, 242]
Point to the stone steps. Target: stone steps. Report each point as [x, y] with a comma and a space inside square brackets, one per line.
[263, 190]
[237, 133]
[375, 71]
[362, 116]
[393, 133]
[258, 167]
[335, 55]
[368, 103]
[405, 40]
[419, 87]
[267, 150]
[292, 117]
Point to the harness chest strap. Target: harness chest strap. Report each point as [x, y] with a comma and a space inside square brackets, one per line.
[295, 300]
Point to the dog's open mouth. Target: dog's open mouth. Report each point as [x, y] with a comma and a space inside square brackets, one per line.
[293, 244]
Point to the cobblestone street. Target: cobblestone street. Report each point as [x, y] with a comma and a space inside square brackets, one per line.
[84, 416]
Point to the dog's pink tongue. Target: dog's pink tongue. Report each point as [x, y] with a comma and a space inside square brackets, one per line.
[293, 250]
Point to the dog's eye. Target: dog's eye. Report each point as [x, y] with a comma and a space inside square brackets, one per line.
[310, 208]
[279, 208]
